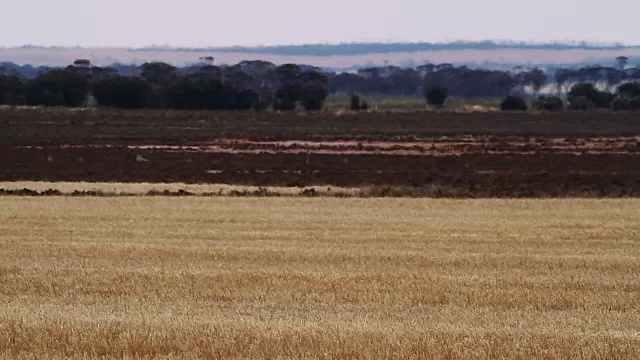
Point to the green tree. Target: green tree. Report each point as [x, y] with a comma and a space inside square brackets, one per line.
[245, 99]
[628, 97]
[313, 76]
[287, 97]
[287, 74]
[313, 96]
[622, 62]
[11, 90]
[548, 103]
[188, 92]
[626, 103]
[513, 103]
[599, 99]
[355, 102]
[160, 77]
[537, 79]
[436, 94]
[629, 89]
[580, 103]
[158, 72]
[121, 91]
[59, 87]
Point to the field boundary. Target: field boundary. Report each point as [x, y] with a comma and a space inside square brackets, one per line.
[383, 191]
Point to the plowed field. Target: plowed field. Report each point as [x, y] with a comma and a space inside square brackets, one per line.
[482, 154]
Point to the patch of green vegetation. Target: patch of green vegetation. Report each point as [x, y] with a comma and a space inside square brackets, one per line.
[377, 102]
[386, 102]
[459, 103]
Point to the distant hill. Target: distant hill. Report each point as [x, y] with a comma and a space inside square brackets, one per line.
[344, 57]
[385, 48]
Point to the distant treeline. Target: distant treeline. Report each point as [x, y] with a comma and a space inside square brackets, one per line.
[246, 85]
[377, 47]
[261, 84]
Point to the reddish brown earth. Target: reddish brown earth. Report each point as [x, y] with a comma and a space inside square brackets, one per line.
[564, 154]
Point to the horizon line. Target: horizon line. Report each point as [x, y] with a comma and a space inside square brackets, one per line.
[568, 44]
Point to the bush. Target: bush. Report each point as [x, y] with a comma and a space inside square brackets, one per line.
[287, 97]
[548, 103]
[312, 96]
[60, 87]
[11, 90]
[633, 103]
[355, 102]
[630, 89]
[197, 93]
[189, 92]
[617, 104]
[513, 103]
[580, 103]
[242, 99]
[626, 103]
[260, 105]
[436, 94]
[121, 92]
[284, 105]
[599, 99]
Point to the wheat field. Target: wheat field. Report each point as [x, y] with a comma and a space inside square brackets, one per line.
[316, 278]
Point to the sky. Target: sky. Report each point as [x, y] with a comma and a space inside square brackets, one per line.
[202, 23]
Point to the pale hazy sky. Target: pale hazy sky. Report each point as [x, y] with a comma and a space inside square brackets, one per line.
[139, 23]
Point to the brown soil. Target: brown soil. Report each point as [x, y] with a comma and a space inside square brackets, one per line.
[497, 154]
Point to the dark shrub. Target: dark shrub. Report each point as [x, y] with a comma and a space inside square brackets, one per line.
[630, 89]
[191, 92]
[634, 103]
[513, 103]
[436, 94]
[599, 99]
[260, 105]
[121, 92]
[580, 103]
[284, 105]
[355, 102]
[618, 104]
[11, 90]
[243, 99]
[287, 97]
[626, 103]
[197, 93]
[548, 103]
[60, 87]
[312, 96]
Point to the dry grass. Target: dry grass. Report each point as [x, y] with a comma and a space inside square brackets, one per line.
[110, 188]
[188, 278]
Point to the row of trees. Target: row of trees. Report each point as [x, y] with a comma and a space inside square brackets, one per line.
[583, 96]
[160, 85]
[260, 84]
[466, 82]
[388, 80]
